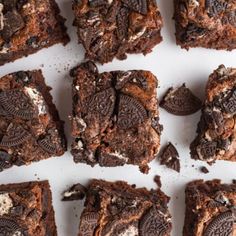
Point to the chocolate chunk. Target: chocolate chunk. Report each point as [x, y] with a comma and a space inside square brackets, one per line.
[10, 227]
[131, 112]
[157, 180]
[102, 103]
[153, 223]
[15, 136]
[12, 22]
[180, 101]
[204, 170]
[18, 104]
[122, 23]
[170, 157]
[89, 221]
[221, 224]
[76, 192]
[5, 160]
[137, 5]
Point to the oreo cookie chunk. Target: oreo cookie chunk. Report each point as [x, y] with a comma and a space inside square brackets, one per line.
[110, 29]
[210, 208]
[115, 118]
[216, 130]
[26, 26]
[116, 208]
[30, 127]
[26, 209]
[180, 101]
[206, 23]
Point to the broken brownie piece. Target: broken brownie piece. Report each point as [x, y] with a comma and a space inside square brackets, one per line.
[206, 23]
[30, 128]
[26, 210]
[28, 26]
[115, 117]
[210, 208]
[120, 209]
[216, 129]
[180, 101]
[110, 29]
[170, 157]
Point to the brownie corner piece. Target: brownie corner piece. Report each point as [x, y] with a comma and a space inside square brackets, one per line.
[210, 208]
[28, 26]
[26, 209]
[117, 208]
[207, 23]
[30, 127]
[111, 29]
[115, 118]
[216, 130]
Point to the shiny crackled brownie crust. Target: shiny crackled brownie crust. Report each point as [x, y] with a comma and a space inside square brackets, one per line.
[26, 210]
[206, 23]
[210, 209]
[27, 26]
[120, 209]
[115, 117]
[110, 29]
[30, 128]
[216, 129]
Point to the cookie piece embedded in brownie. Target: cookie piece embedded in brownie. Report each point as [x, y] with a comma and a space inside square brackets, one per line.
[115, 118]
[30, 127]
[116, 208]
[205, 23]
[28, 26]
[210, 208]
[110, 29]
[26, 209]
[216, 129]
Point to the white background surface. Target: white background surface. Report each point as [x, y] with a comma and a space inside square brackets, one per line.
[173, 66]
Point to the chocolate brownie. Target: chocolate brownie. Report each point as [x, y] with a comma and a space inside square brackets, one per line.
[216, 129]
[110, 29]
[27, 26]
[210, 208]
[206, 23]
[26, 210]
[116, 208]
[115, 117]
[30, 128]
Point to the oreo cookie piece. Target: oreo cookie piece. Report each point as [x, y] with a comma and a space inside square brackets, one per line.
[76, 192]
[180, 101]
[115, 117]
[170, 157]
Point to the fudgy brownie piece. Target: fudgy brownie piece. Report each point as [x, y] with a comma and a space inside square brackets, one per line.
[115, 117]
[206, 23]
[30, 128]
[120, 209]
[217, 127]
[110, 29]
[26, 210]
[210, 209]
[27, 26]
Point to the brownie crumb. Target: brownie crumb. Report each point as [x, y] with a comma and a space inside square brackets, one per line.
[76, 192]
[204, 170]
[234, 181]
[170, 157]
[157, 180]
[180, 101]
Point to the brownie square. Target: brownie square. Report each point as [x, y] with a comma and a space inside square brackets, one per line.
[27, 26]
[116, 208]
[210, 208]
[110, 29]
[30, 128]
[115, 118]
[217, 127]
[207, 23]
[26, 210]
